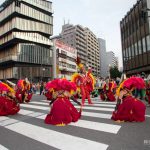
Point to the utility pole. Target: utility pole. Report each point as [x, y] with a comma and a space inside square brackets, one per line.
[54, 61]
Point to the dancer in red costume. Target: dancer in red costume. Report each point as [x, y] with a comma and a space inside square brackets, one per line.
[148, 92]
[8, 103]
[129, 108]
[85, 81]
[108, 90]
[23, 93]
[62, 110]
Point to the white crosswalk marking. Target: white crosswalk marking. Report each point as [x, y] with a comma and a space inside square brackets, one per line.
[94, 125]
[95, 102]
[97, 115]
[2, 147]
[85, 107]
[54, 138]
[96, 108]
[2, 118]
[33, 106]
[46, 104]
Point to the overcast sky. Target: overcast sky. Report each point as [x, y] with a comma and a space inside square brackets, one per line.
[102, 17]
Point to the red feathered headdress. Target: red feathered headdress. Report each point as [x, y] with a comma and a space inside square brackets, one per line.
[131, 84]
[78, 62]
[134, 82]
[60, 84]
[5, 87]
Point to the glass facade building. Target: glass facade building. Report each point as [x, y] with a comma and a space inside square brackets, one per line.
[25, 47]
[135, 37]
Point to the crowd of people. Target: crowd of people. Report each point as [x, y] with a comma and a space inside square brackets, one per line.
[129, 93]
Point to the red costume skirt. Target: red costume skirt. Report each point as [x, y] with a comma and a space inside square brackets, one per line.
[102, 96]
[8, 107]
[49, 95]
[29, 97]
[148, 95]
[19, 97]
[130, 110]
[110, 96]
[62, 113]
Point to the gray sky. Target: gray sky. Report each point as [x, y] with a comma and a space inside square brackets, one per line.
[100, 16]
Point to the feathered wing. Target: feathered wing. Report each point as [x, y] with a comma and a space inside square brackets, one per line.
[91, 79]
[76, 79]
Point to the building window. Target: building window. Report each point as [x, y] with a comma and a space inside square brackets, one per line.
[136, 49]
[17, 3]
[144, 45]
[140, 48]
[129, 51]
[133, 53]
[148, 42]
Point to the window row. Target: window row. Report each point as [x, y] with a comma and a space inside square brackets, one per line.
[6, 39]
[7, 11]
[30, 53]
[138, 48]
[62, 64]
[28, 25]
[31, 12]
[26, 10]
[34, 37]
[34, 54]
[40, 3]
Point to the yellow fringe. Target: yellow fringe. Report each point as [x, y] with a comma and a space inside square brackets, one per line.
[60, 125]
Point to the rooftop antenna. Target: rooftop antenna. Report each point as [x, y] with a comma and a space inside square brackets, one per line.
[64, 21]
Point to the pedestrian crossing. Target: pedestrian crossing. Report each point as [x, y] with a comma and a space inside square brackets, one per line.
[84, 134]
[3, 148]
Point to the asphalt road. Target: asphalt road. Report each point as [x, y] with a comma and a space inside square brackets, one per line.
[95, 130]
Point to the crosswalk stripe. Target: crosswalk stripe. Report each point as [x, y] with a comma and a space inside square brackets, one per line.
[147, 115]
[40, 103]
[25, 112]
[103, 102]
[3, 148]
[97, 115]
[103, 105]
[85, 107]
[93, 125]
[2, 118]
[89, 114]
[97, 126]
[46, 104]
[8, 122]
[29, 113]
[95, 108]
[95, 102]
[33, 106]
[56, 139]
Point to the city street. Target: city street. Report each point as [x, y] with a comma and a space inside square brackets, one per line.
[94, 131]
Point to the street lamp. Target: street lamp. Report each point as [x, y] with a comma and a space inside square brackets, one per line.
[43, 70]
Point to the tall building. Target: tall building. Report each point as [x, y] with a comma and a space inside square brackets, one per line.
[92, 47]
[66, 59]
[25, 48]
[110, 60]
[103, 58]
[75, 37]
[117, 62]
[135, 38]
[86, 44]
